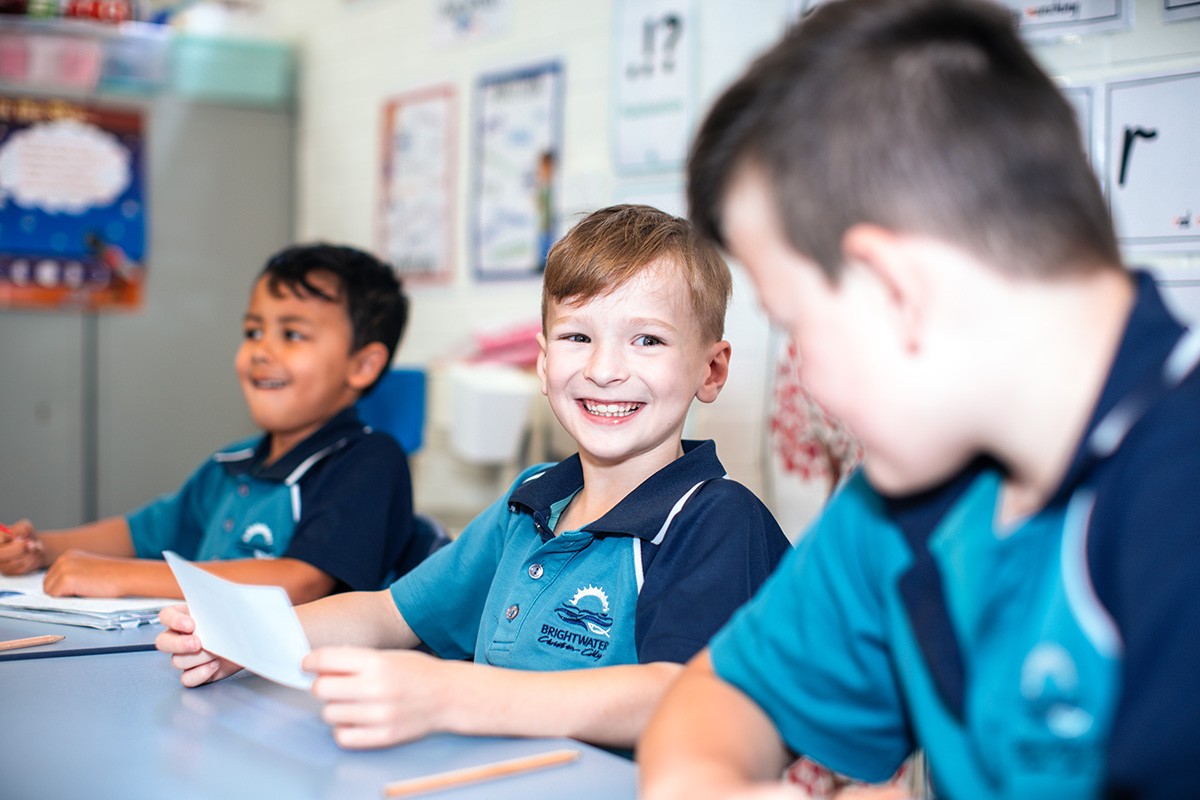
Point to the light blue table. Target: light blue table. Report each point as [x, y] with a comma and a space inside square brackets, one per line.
[78, 641]
[121, 726]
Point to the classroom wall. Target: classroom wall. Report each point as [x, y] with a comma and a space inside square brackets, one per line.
[358, 53]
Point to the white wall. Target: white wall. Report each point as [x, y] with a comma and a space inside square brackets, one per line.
[357, 53]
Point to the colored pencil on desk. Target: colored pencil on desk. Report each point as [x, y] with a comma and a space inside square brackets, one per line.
[32, 641]
[484, 772]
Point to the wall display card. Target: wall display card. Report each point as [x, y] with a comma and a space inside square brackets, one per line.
[1180, 9]
[1045, 19]
[417, 183]
[1082, 100]
[518, 131]
[655, 83]
[470, 20]
[72, 205]
[1153, 174]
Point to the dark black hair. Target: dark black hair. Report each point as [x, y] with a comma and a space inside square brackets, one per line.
[921, 115]
[373, 294]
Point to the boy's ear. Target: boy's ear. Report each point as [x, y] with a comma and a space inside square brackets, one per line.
[541, 362]
[366, 364]
[889, 258]
[717, 372]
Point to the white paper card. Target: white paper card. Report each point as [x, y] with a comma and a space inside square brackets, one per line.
[254, 626]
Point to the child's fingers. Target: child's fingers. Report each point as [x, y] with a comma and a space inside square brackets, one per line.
[338, 660]
[201, 674]
[355, 713]
[362, 737]
[177, 618]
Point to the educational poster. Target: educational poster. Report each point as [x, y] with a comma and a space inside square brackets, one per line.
[1045, 19]
[655, 83]
[1153, 173]
[72, 205]
[417, 186]
[518, 150]
[1180, 9]
[459, 21]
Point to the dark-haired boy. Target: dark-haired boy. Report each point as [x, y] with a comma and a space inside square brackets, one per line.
[319, 503]
[1010, 584]
[581, 591]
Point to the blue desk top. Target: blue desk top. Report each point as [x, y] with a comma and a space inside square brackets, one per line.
[121, 726]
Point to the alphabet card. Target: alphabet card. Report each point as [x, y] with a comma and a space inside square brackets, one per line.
[1153, 166]
[655, 83]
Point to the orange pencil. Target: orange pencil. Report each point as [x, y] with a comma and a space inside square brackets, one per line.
[484, 772]
[32, 641]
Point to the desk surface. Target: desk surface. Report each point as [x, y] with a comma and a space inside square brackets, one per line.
[121, 726]
[78, 641]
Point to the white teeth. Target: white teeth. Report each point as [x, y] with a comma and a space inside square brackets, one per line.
[270, 384]
[611, 409]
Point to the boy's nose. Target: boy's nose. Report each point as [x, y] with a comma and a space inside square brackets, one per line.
[606, 365]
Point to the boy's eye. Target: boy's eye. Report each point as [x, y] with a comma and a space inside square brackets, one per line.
[575, 337]
[293, 336]
[646, 340]
[251, 334]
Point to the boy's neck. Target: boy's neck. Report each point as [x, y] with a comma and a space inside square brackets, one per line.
[1060, 351]
[607, 484]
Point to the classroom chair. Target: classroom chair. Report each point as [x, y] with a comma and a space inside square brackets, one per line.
[430, 536]
[397, 406]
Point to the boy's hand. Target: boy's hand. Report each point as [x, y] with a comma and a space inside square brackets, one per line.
[376, 698]
[20, 548]
[77, 573]
[187, 654]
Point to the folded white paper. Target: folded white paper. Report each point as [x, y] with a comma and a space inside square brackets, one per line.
[254, 626]
[22, 597]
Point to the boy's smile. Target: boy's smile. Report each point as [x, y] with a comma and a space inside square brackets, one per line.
[621, 370]
[295, 364]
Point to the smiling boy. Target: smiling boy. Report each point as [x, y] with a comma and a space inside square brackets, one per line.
[580, 592]
[318, 503]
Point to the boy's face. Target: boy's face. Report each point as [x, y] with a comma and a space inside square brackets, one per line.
[295, 365]
[856, 353]
[620, 370]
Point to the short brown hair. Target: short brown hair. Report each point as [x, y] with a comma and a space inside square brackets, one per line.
[922, 115]
[612, 245]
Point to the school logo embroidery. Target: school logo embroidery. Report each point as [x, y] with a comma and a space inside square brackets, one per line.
[587, 612]
[259, 531]
[1056, 740]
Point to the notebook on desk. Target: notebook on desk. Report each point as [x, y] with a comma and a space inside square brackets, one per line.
[21, 597]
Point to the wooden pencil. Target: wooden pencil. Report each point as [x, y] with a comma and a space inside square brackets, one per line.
[32, 641]
[483, 772]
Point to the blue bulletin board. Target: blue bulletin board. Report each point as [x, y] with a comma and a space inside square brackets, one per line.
[72, 205]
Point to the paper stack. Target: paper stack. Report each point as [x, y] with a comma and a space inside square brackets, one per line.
[22, 597]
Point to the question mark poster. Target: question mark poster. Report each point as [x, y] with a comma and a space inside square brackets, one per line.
[519, 127]
[72, 205]
[655, 84]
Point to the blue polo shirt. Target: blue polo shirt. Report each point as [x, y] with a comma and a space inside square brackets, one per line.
[1057, 657]
[341, 500]
[651, 580]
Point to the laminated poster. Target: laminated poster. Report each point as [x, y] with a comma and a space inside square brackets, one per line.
[72, 205]
[517, 172]
[417, 195]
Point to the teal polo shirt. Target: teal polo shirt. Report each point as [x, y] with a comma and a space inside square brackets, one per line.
[651, 580]
[1048, 659]
[340, 500]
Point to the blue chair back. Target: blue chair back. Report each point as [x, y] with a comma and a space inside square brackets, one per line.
[398, 406]
[429, 536]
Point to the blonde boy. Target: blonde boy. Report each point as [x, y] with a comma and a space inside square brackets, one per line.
[578, 593]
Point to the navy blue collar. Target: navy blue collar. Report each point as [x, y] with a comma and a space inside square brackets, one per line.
[334, 434]
[643, 511]
[1150, 334]
[1135, 375]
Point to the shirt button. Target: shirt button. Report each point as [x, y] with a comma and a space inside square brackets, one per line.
[535, 571]
[511, 613]
[227, 525]
[243, 490]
